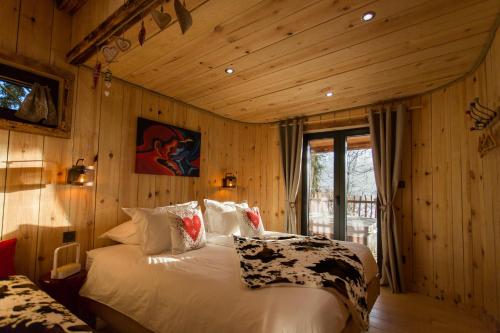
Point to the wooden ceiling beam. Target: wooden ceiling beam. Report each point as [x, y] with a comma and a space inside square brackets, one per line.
[69, 6]
[123, 18]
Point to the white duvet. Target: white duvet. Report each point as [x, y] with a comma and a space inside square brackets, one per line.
[201, 291]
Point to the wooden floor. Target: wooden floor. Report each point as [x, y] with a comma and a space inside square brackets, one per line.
[414, 313]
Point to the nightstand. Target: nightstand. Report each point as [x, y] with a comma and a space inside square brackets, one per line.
[65, 291]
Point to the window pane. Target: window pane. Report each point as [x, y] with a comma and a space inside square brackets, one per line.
[320, 187]
[361, 193]
[12, 95]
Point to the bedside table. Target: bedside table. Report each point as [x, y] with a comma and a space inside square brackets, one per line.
[65, 291]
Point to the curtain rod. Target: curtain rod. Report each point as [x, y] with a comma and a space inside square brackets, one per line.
[340, 128]
[307, 122]
[410, 108]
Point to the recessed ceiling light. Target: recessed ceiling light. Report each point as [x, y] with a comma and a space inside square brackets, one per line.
[368, 16]
[329, 94]
[229, 70]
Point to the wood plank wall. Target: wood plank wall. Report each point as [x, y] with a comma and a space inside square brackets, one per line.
[449, 210]
[36, 205]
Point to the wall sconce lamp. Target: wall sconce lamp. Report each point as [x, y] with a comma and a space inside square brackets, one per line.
[229, 181]
[81, 175]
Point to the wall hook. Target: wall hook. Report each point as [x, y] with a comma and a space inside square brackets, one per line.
[482, 115]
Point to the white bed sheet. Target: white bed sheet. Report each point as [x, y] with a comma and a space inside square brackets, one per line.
[201, 291]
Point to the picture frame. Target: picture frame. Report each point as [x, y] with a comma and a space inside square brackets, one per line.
[164, 149]
[11, 65]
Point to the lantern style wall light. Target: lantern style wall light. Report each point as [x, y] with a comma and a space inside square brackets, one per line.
[81, 175]
[229, 181]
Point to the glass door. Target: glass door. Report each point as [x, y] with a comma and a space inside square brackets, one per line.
[339, 195]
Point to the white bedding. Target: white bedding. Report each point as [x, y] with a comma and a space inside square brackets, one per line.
[201, 291]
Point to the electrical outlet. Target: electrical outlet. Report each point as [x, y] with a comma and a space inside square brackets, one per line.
[69, 236]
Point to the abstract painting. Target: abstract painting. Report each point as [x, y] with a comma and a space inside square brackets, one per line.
[163, 149]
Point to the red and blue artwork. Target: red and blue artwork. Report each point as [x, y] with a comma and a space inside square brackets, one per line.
[164, 149]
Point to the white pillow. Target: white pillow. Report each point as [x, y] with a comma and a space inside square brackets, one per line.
[189, 204]
[250, 221]
[131, 211]
[125, 233]
[154, 226]
[220, 217]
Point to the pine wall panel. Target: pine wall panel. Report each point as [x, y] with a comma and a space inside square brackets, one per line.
[453, 250]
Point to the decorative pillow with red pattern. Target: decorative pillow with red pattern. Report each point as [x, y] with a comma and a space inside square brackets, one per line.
[250, 221]
[187, 230]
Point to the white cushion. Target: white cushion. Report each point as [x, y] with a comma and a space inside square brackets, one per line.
[154, 226]
[250, 221]
[220, 217]
[125, 233]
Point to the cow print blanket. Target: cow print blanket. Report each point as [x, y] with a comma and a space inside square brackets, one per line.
[314, 261]
[24, 308]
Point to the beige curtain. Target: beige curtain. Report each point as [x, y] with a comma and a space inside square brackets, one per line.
[38, 106]
[386, 130]
[291, 136]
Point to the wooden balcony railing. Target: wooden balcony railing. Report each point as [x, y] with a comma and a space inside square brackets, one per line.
[362, 206]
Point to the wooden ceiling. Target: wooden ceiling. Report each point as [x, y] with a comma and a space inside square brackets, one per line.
[288, 53]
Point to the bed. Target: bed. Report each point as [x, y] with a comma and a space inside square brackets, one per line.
[201, 291]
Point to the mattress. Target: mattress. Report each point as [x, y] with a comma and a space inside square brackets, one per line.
[201, 291]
